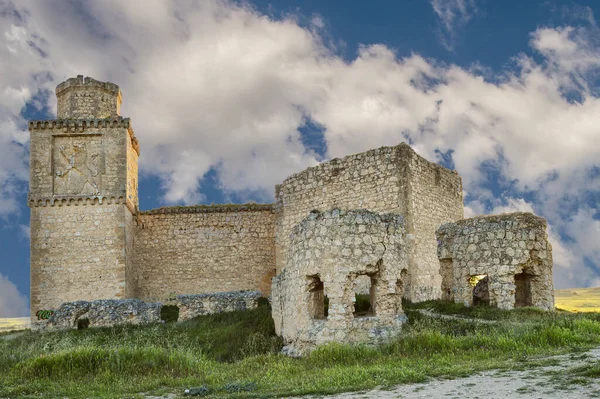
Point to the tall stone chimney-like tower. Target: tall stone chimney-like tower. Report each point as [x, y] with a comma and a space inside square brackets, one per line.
[83, 196]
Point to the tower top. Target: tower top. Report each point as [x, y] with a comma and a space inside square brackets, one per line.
[81, 97]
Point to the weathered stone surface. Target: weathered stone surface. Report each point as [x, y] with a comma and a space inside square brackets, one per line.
[512, 250]
[388, 179]
[189, 250]
[86, 97]
[104, 313]
[327, 253]
[191, 306]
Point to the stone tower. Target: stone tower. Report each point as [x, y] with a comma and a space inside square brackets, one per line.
[83, 197]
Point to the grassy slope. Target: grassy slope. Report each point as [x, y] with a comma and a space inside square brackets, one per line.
[235, 355]
[578, 299]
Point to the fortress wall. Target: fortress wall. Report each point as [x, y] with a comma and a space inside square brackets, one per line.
[371, 180]
[77, 253]
[435, 198]
[200, 249]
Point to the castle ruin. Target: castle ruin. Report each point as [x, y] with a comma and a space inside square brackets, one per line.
[372, 215]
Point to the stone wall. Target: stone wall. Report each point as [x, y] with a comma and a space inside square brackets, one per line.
[387, 179]
[511, 250]
[327, 254]
[192, 250]
[435, 198]
[104, 313]
[87, 98]
[77, 253]
[191, 306]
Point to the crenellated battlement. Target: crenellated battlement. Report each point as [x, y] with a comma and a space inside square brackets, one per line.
[82, 125]
[87, 82]
[88, 98]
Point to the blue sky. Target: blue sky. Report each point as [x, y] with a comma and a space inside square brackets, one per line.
[229, 98]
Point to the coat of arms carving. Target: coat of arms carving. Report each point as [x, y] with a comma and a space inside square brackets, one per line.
[78, 166]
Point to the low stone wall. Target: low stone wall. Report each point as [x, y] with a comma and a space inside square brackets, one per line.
[113, 312]
[104, 313]
[191, 306]
[328, 253]
[510, 250]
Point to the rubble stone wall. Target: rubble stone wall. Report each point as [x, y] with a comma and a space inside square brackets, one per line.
[327, 253]
[191, 306]
[512, 250]
[369, 180]
[104, 313]
[387, 179]
[193, 250]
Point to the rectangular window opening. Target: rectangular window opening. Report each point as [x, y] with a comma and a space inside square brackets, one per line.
[481, 289]
[318, 303]
[364, 296]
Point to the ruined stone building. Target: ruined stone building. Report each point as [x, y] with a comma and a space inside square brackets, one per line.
[363, 222]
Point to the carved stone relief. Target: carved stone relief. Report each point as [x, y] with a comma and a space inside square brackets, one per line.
[78, 165]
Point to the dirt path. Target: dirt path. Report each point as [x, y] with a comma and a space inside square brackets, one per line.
[546, 382]
[555, 381]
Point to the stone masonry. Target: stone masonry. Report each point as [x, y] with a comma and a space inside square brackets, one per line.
[388, 179]
[196, 249]
[90, 241]
[191, 306]
[104, 313]
[328, 252]
[508, 252]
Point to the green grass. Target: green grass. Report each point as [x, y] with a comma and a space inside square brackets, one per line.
[236, 355]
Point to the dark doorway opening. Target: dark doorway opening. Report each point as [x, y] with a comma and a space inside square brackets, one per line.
[523, 290]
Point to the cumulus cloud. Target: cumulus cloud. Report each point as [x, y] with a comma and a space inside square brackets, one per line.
[453, 15]
[12, 302]
[217, 86]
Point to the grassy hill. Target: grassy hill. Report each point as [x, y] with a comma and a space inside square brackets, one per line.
[237, 355]
[578, 299]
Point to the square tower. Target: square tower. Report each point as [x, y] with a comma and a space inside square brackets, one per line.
[83, 197]
[389, 180]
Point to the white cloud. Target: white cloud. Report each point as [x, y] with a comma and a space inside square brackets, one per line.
[25, 231]
[214, 85]
[453, 15]
[12, 302]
